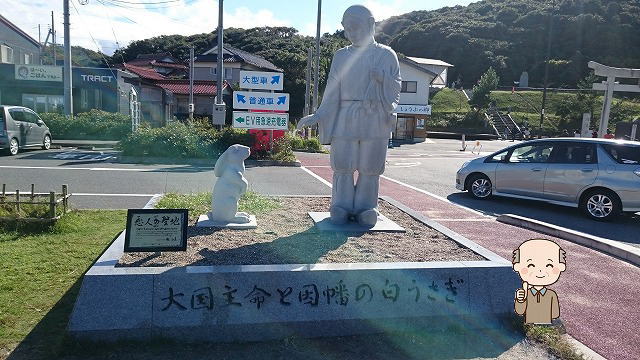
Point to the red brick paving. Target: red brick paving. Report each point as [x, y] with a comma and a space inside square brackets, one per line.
[598, 293]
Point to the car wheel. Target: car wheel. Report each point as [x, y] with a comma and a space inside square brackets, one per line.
[480, 186]
[13, 146]
[46, 144]
[601, 205]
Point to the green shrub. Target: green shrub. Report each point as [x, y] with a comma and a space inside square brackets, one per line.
[93, 125]
[282, 150]
[313, 145]
[179, 140]
[297, 142]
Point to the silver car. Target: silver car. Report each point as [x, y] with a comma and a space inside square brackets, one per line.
[599, 176]
[20, 127]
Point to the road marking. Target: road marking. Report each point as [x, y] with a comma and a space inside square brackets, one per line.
[435, 196]
[465, 220]
[115, 195]
[74, 168]
[488, 217]
[405, 164]
[317, 176]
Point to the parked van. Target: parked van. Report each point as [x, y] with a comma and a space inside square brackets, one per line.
[20, 128]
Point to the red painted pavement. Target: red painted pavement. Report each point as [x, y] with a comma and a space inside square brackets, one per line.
[598, 293]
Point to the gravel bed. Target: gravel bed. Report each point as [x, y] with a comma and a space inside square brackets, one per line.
[287, 235]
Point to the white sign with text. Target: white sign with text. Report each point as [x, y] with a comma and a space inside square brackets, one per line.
[260, 101]
[261, 121]
[261, 80]
[413, 109]
[38, 73]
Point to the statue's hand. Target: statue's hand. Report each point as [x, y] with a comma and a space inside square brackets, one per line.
[377, 75]
[308, 120]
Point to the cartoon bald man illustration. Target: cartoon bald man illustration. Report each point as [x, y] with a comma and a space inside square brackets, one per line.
[539, 263]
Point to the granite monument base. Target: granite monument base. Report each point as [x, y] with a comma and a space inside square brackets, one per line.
[262, 302]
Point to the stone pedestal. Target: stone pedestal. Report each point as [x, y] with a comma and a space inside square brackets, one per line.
[205, 221]
[323, 222]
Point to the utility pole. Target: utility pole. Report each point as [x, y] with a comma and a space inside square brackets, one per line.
[307, 90]
[53, 37]
[191, 105]
[68, 95]
[546, 65]
[316, 80]
[219, 107]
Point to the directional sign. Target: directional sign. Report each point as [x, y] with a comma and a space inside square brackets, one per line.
[413, 109]
[262, 121]
[260, 101]
[260, 80]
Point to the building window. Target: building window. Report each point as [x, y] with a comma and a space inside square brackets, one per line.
[43, 103]
[228, 74]
[84, 99]
[6, 54]
[28, 59]
[98, 99]
[213, 70]
[409, 87]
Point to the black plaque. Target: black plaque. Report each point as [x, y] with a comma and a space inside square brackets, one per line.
[156, 230]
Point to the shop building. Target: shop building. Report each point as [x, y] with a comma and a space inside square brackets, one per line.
[41, 88]
[413, 109]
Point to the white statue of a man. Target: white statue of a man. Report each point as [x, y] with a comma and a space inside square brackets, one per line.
[356, 117]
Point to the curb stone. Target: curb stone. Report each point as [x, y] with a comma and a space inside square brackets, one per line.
[583, 349]
[609, 247]
[208, 162]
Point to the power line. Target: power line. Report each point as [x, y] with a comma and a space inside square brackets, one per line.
[110, 2]
[146, 3]
[114, 32]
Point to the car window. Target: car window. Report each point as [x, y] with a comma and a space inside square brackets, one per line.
[30, 116]
[17, 114]
[1, 119]
[624, 154]
[497, 157]
[535, 153]
[575, 153]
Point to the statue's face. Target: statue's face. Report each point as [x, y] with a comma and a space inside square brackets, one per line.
[357, 29]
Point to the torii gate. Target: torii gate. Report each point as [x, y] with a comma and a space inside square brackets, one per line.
[610, 86]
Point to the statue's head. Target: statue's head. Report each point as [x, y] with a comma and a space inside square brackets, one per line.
[359, 25]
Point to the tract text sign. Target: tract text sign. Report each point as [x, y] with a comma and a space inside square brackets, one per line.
[261, 80]
[261, 121]
[260, 101]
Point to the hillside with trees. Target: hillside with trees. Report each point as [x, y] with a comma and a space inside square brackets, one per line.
[511, 36]
[508, 35]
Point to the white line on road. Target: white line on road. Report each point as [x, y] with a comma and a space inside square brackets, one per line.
[74, 168]
[115, 195]
[488, 217]
[435, 196]
[317, 176]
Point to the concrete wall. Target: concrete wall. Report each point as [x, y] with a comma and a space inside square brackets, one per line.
[19, 44]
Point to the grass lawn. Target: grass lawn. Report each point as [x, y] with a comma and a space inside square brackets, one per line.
[41, 275]
[449, 100]
[200, 203]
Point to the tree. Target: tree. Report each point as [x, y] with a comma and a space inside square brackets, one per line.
[481, 91]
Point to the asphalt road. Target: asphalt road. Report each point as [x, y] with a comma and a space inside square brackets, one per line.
[432, 166]
[98, 181]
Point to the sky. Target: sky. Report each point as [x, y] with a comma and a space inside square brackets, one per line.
[106, 25]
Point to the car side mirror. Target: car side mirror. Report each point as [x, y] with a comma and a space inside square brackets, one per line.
[40, 122]
[503, 158]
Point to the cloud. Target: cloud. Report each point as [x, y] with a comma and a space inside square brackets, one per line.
[98, 25]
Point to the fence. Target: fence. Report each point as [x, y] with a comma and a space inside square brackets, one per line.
[16, 200]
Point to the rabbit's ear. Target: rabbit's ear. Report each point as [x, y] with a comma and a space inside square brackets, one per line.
[221, 164]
